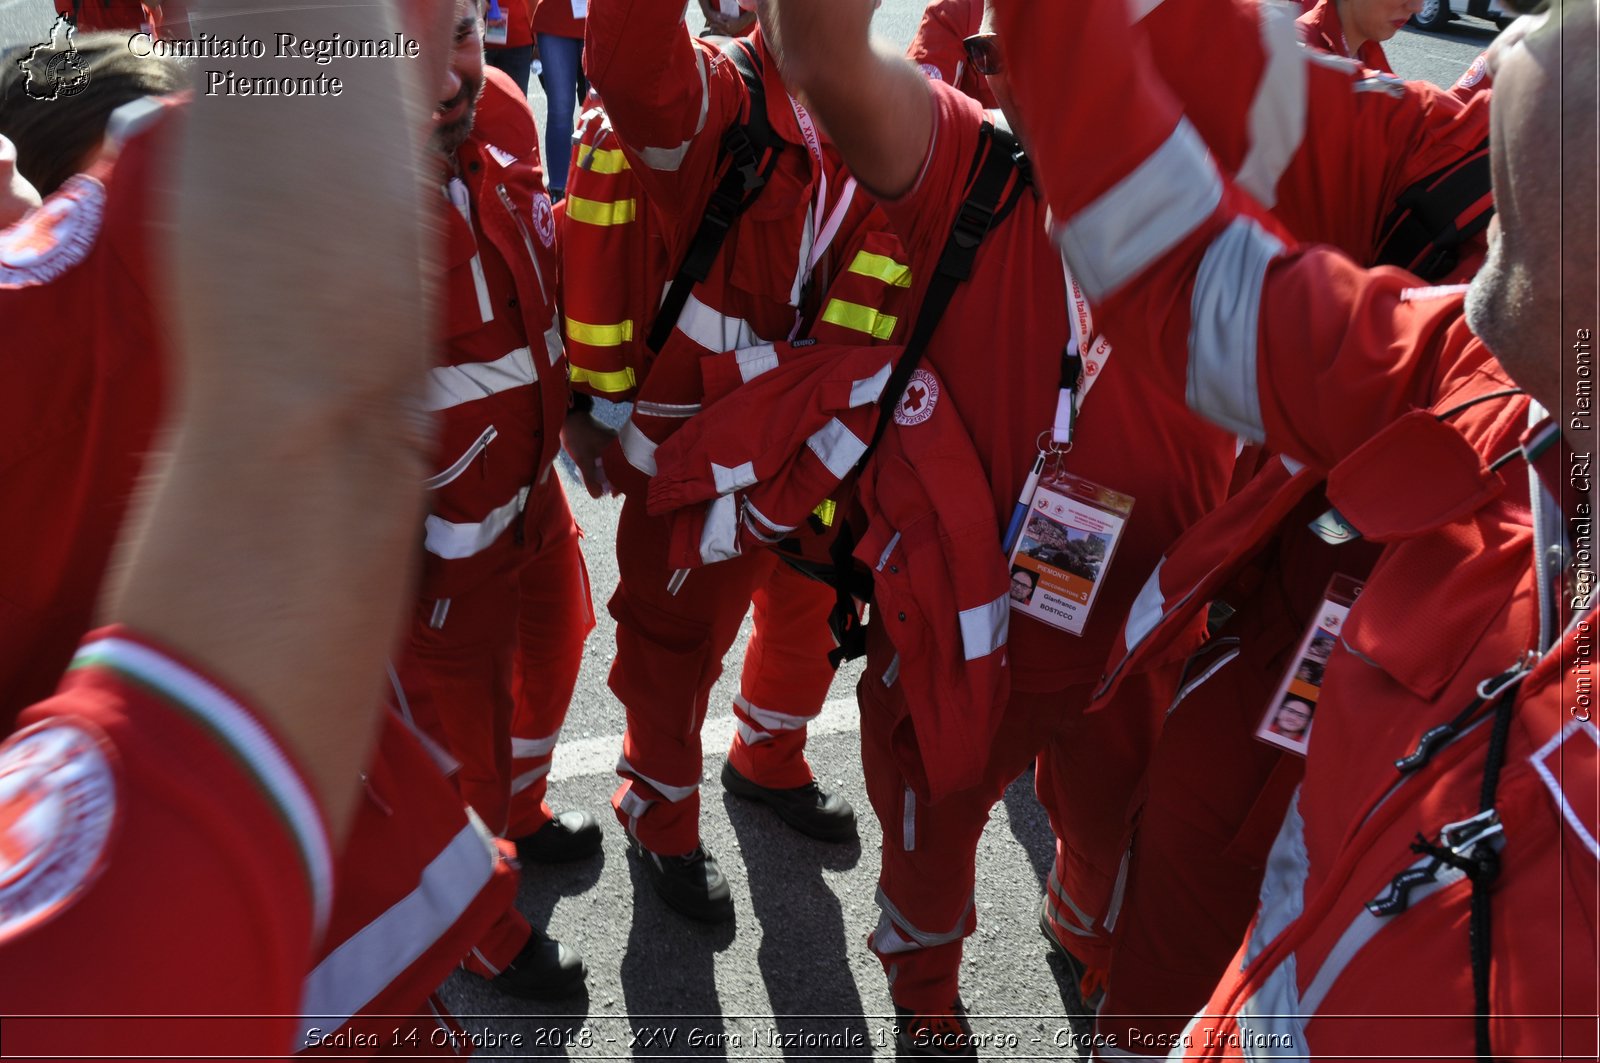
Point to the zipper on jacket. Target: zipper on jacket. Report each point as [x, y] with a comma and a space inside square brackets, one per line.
[527, 240]
[461, 464]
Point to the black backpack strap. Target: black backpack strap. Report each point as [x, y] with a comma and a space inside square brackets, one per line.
[751, 149]
[991, 196]
[1436, 215]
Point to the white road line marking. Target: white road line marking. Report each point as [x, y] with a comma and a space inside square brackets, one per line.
[598, 756]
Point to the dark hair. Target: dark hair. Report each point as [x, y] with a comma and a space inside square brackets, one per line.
[54, 137]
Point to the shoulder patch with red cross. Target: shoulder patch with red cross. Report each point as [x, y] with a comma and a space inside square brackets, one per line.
[55, 236]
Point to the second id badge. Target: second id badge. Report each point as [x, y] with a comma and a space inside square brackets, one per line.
[496, 26]
[1065, 549]
[1287, 721]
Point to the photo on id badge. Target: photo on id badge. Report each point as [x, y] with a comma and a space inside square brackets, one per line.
[1064, 551]
[1287, 720]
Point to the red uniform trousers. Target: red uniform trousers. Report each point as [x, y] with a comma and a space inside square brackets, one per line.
[669, 655]
[929, 865]
[1216, 798]
[508, 650]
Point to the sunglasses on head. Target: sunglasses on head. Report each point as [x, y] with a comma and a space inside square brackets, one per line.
[983, 53]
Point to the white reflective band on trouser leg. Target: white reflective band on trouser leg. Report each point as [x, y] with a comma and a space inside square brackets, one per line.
[897, 934]
[452, 541]
[719, 538]
[1084, 924]
[671, 793]
[1225, 320]
[522, 748]
[836, 447]
[669, 159]
[1119, 235]
[360, 968]
[454, 385]
[638, 448]
[771, 719]
[908, 819]
[984, 627]
[528, 778]
[735, 479]
[1278, 113]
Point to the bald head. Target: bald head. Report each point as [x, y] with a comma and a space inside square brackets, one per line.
[1534, 301]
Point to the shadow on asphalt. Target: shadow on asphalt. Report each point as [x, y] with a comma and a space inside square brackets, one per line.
[669, 984]
[804, 954]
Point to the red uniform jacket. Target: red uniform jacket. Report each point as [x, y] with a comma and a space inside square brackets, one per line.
[76, 277]
[555, 17]
[501, 389]
[113, 844]
[1327, 362]
[671, 98]
[1322, 29]
[938, 51]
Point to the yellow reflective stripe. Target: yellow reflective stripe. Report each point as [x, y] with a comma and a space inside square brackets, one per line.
[825, 512]
[860, 318]
[602, 160]
[610, 383]
[600, 335]
[883, 268]
[594, 212]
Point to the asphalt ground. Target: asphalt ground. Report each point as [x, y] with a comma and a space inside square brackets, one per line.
[791, 977]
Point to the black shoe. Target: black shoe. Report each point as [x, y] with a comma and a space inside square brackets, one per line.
[570, 836]
[934, 1036]
[808, 809]
[692, 885]
[1089, 983]
[545, 969]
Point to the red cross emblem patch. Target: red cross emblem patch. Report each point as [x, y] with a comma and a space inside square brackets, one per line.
[917, 402]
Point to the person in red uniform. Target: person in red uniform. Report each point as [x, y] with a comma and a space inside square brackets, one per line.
[78, 440]
[503, 606]
[508, 39]
[1175, 468]
[558, 27]
[161, 19]
[1439, 855]
[188, 770]
[1356, 29]
[937, 49]
[671, 99]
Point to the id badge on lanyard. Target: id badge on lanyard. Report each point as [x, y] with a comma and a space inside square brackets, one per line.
[496, 26]
[1064, 530]
[1287, 720]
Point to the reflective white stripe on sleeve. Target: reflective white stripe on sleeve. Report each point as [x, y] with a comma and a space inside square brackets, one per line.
[669, 159]
[753, 361]
[730, 480]
[719, 538]
[1289, 463]
[984, 627]
[712, 329]
[1138, 9]
[671, 793]
[870, 389]
[638, 448]
[836, 447]
[1278, 113]
[1145, 613]
[360, 968]
[454, 541]
[1225, 318]
[453, 385]
[1166, 198]
[522, 748]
